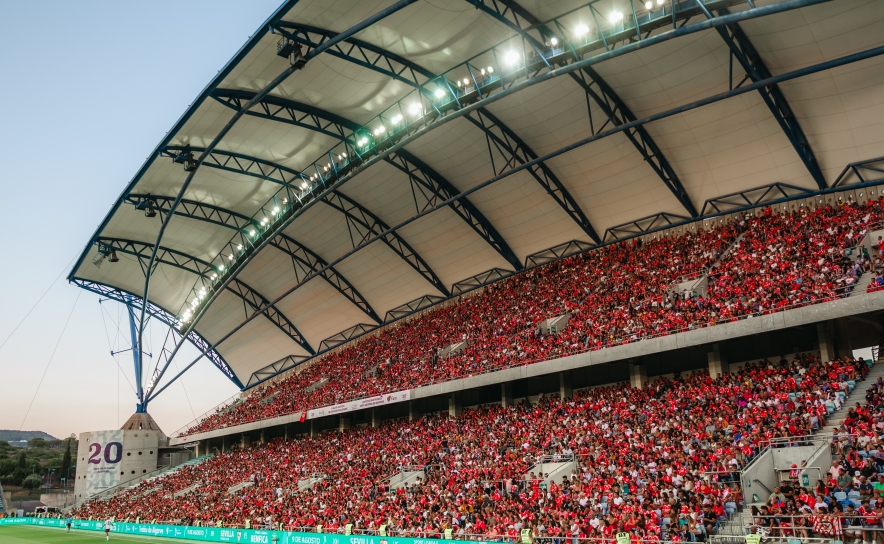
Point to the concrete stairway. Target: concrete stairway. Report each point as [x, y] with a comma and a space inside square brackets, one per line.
[734, 529]
[837, 417]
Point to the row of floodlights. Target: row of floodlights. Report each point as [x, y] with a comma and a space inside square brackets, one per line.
[510, 58]
[192, 306]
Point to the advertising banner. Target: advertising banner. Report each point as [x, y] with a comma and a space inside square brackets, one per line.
[361, 404]
[216, 534]
[103, 461]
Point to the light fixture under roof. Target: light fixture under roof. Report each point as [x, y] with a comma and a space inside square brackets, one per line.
[581, 30]
[440, 92]
[415, 108]
[511, 57]
[553, 41]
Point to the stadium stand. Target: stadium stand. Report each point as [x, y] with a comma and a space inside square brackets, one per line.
[622, 293]
[663, 460]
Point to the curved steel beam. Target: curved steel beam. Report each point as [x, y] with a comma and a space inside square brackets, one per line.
[296, 64]
[158, 312]
[742, 49]
[304, 261]
[357, 214]
[326, 184]
[362, 225]
[251, 298]
[429, 183]
[498, 134]
[521, 21]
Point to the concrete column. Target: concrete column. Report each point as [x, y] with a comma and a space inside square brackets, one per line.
[225, 444]
[375, 418]
[454, 405]
[246, 441]
[344, 424]
[313, 432]
[288, 431]
[826, 347]
[196, 450]
[506, 395]
[638, 375]
[263, 438]
[565, 389]
[412, 411]
[718, 365]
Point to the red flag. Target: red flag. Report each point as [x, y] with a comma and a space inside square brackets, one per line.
[303, 416]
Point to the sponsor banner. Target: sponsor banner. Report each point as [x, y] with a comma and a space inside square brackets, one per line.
[216, 534]
[361, 404]
[103, 461]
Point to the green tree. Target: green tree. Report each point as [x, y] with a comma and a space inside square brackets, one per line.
[22, 461]
[66, 462]
[32, 482]
[37, 442]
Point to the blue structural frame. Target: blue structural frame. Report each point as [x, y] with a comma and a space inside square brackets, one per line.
[520, 20]
[166, 317]
[253, 301]
[304, 260]
[424, 180]
[136, 353]
[359, 218]
[742, 49]
[506, 86]
[848, 59]
[498, 136]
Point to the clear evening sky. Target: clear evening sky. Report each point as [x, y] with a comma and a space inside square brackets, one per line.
[88, 89]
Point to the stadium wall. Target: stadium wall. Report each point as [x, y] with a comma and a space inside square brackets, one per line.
[809, 328]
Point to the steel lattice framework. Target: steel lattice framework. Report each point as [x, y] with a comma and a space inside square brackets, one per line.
[549, 49]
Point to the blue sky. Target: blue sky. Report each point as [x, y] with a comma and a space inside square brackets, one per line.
[89, 88]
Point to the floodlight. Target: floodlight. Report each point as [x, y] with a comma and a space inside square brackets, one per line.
[440, 92]
[304, 185]
[649, 4]
[397, 119]
[581, 30]
[230, 257]
[466, 81]
[252, 232]
[661, 2]
[113, 257]
[221, 266]
[415, 108]
[458, 83]
[553, 41]
[511, 57]
[276, 210]
[150, 212]
[491, 69]
[616, 17]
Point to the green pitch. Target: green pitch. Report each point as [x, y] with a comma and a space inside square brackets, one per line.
[45, 535]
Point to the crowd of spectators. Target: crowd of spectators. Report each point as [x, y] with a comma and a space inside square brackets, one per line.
[657, 462]
[848, 501]
[616, 294]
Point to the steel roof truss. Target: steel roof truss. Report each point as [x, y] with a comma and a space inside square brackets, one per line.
[363, 226]
[253, 301]
[538, 36]
[157, 312]
[304, 260]
[742, 49]
[512, 147]
[424, 180]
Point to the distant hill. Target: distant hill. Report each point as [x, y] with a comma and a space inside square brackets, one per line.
[15, 436]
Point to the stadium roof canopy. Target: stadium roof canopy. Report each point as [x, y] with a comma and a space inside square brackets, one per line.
[318, 182]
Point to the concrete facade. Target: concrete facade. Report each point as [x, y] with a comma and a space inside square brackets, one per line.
[859, 303]
[718, 365]
[139, 457]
